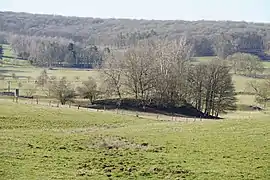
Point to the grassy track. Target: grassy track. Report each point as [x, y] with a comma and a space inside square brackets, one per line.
[47, 143]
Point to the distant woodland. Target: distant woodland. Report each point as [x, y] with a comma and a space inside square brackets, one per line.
[49, 40]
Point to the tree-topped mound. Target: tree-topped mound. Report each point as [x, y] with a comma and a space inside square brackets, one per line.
[137, 105]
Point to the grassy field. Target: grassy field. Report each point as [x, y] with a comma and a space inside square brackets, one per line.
[7, 50]
[24, 73]
[42, 142]
[10, 57]
[46, 143]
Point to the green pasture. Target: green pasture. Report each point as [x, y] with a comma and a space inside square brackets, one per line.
[48, 143]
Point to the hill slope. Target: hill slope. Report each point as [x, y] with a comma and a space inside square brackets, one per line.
[50, 143]
[79, 28]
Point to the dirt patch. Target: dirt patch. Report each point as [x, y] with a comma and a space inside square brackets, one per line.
[117, 142]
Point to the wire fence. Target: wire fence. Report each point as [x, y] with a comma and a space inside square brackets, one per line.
[36, 81]
[49, 103]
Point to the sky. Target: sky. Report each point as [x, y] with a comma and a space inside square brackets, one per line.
[236, 10]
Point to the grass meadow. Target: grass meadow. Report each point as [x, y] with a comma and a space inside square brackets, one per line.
[47, 143]
[43, 142]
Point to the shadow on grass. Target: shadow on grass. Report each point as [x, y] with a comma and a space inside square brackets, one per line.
[6, 70]
[134, 105]
[245, 107]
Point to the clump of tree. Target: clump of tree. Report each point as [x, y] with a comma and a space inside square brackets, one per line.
[246, 64]
[161, 73]
[261, 90]
[51, 52]
[42, 79]
[223, 45]
[88, 89]
[62, 90]
[212, 89]
[58, 88]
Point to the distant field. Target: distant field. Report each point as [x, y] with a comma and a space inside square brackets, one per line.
[204, 59]
[10, 57]
[48, 143]
[266, 64]
[7, 50]
[24, 72]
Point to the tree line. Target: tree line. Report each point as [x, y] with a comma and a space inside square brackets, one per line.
[209, 38]
[51, 52]
[58, 51]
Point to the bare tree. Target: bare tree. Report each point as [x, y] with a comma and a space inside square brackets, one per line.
[43, 78]
[172, 64]
[62, 90]
[88, 89]
[112, 73]
[30, 89]
[223, 45]
[261, 90]
[138, 69]
[220, 93]
[196, 80]
[246, 64]
[211, 87]
[14, 76]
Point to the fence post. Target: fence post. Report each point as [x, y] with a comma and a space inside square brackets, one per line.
[9, 84]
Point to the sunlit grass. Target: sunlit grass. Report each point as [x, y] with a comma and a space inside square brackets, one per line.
[47, 143]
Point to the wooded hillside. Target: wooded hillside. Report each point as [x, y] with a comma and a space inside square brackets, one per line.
[208, 38]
